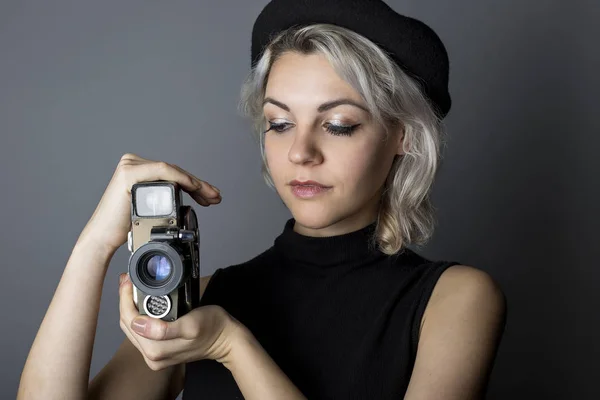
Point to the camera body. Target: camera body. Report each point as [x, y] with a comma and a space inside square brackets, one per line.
[164, 265]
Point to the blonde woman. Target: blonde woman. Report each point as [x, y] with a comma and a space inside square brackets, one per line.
[347, 100]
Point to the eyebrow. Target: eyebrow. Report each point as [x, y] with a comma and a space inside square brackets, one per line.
[323, 107]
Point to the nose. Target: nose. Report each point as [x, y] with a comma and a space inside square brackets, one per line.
[305, 148]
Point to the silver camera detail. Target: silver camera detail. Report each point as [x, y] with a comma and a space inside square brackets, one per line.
[164, 244]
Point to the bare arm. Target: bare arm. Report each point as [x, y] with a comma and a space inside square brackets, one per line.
[58, 363]
[256, 373]
[121, 377]
[59, 360]
[460, 335]
[127, 376]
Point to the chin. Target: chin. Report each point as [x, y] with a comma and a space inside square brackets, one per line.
[312, 218]
[312, 214]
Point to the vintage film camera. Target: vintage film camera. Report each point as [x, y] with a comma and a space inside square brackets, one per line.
[164, 265]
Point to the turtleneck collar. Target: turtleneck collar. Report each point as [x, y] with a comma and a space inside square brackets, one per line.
[351, 248]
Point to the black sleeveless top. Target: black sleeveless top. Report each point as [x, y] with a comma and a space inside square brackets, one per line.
[340, 318]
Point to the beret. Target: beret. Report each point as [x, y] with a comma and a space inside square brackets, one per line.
[412, 44]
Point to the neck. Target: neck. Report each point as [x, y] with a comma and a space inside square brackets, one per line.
[334, 229]
[349, 249]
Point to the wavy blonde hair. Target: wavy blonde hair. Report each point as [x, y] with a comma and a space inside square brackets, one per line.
[395, 99]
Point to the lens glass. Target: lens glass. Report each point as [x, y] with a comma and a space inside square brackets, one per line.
[158, 268]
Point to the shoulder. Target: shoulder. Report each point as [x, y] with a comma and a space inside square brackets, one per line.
[460, 335]
[467, 283]
[462, 291]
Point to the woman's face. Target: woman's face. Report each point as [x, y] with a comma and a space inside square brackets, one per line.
[352, 159]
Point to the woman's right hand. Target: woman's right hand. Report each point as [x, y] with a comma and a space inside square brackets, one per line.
[111, 221]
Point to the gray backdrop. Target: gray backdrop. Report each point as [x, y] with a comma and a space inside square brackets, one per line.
[83, 82]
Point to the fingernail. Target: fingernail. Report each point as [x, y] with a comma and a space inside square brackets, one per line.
[121, 279]
[138, 325]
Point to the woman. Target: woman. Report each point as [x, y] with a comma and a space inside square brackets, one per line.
[338, 307]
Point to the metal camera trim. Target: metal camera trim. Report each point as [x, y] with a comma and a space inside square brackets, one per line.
[176, 277]
[169, 306]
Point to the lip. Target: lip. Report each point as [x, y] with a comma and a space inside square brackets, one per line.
[308, 191]
[308, 183]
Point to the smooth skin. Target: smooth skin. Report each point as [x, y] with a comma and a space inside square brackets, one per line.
[462, 324]
[58, 363]
[301, 147]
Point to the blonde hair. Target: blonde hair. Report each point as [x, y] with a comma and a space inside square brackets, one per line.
[395, 99]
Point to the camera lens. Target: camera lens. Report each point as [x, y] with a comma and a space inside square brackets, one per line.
[159, 267]
[156, 268]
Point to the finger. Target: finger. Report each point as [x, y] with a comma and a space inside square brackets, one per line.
[130, 157]
[127, 307]
[123, 301]
[195, 324]
[199, 190]
[217, 190]
[153, 350]
[186, 327]
[130, 335]
[200, 198]
[166, 352]
[158, 350]
[208, 194]
[151, 328]
[154, 328]
[189, 182]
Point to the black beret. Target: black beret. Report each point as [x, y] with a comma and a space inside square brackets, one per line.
[413, 45]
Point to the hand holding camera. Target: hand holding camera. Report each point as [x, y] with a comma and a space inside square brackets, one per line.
[142, 206]
[207, 332]
[109, 225]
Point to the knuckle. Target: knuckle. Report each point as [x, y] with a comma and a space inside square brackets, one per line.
[161, 331]
[124, 169]
[217, 310]
[127, 158]
[162, 165]
[154, 354]
[154, 366]
[190, 331]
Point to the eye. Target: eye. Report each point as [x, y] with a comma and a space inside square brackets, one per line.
[337, 130]
[280, 127]
[341, 130]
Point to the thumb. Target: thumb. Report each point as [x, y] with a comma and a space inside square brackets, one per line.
[153, 328]
[185, 327]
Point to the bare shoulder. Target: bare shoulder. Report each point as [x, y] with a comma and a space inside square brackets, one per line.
[460, 334]
[464, 288]
[464, 281]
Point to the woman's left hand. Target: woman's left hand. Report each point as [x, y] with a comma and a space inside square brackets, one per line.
[207, 332]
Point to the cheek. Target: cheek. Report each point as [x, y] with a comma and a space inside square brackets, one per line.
[273, 155]
[364, 167]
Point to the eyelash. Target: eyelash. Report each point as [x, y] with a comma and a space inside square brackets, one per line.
[337, 130]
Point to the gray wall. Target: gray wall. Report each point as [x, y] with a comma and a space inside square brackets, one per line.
[81, 83]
